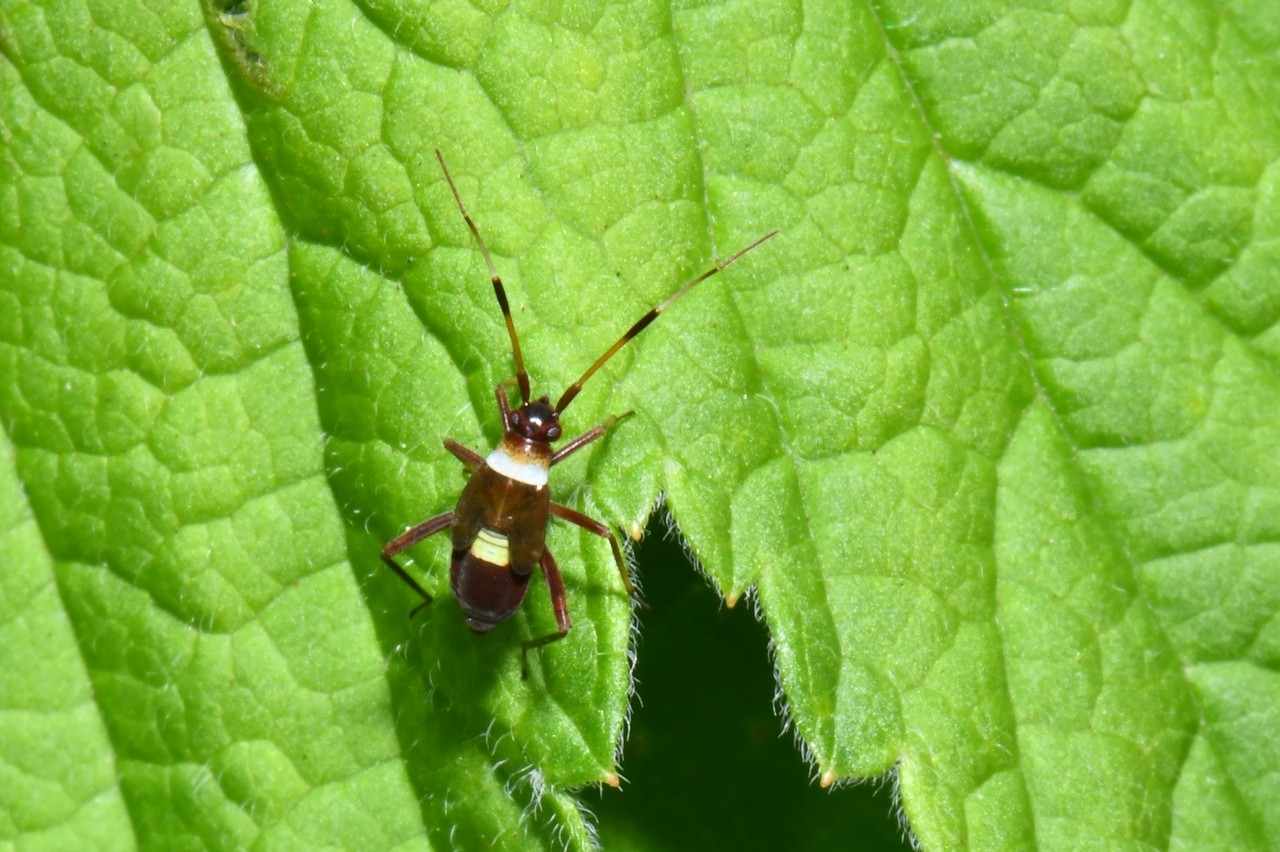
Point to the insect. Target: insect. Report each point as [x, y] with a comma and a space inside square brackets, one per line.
[499, 525]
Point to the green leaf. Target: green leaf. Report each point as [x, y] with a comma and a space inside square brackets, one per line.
[987, 433]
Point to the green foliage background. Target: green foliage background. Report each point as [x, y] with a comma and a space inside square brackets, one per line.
[990, 431]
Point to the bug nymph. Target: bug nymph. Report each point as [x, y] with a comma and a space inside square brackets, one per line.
[499, 526]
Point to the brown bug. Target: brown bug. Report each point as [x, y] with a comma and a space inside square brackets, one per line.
[500, 523]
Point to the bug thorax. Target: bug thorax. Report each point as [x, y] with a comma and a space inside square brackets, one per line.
[536, 421]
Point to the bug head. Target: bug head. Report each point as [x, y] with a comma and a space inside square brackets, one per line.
[536, 420]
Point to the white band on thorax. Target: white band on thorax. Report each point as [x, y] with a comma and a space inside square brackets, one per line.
[529, 472]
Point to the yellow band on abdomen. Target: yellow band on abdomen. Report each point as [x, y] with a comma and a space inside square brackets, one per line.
[491, 547]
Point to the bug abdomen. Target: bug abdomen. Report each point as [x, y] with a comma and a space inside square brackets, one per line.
[483, 583]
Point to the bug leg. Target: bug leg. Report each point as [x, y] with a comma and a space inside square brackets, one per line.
[466, 455]
[408, 539]
[555, 583]
[591, 525]
[588, 436]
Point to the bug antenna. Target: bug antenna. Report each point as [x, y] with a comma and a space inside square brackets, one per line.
[522, 377]
[643, 322]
